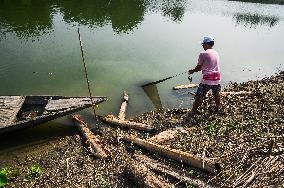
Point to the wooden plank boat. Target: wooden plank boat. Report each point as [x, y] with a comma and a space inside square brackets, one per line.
[18, 112]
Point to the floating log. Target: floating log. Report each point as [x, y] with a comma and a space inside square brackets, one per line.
[166, 135]
[90, 138]
[122, 111]
[185, 86]
[177, 174]
[180, 156]
[125, 123]
[141, 175]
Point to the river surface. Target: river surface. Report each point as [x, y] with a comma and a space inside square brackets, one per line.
[128, 43]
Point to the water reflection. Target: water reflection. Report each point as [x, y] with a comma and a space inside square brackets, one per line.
[123, 15]
[253, 20]
[31, 18]
[173, 9]
[26, 18]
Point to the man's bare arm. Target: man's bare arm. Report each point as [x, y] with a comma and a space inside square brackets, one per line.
[196, 69]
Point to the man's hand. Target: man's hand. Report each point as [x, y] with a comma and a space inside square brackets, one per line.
[191, 72]
[196, 69]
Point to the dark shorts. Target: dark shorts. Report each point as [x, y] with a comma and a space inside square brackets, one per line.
[204, 88]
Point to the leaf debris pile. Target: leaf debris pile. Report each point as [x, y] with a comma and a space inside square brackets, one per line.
[247, 141]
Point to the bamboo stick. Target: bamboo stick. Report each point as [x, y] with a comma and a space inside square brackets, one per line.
[86, 73]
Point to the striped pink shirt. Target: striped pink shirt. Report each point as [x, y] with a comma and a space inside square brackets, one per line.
[209, 61]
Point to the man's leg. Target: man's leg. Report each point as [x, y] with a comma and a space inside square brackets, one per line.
[195, 106]
[200, 95]
[217, 97]
[217, 100]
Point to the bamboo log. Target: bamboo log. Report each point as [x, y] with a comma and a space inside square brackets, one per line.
[128, 124]
[122, 111]
[91, 139]
[224, 93]
[185, 86]
[177, 174]
[166, 135]
[235, 92]
[141, 175]
[184, 157]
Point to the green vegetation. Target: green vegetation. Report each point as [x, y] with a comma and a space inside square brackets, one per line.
[34, 172]
[103, 181]
[191, 172]
[6, 174]
[191, 186]
[233, 126]
[3, 179]
[212, 129]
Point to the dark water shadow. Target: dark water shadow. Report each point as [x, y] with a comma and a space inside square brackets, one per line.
[35, 135]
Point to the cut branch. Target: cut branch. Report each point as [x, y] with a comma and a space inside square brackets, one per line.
[166, 135]
[141, 175]
[122, 111]
[90, 138]
[127, 124]
[187, 158]
[177, 174]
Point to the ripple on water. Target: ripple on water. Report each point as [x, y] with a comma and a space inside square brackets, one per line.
[5, 68]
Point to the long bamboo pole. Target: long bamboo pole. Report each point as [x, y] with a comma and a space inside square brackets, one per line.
[86, 74]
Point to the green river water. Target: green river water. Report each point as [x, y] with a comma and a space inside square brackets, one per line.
[128, 43]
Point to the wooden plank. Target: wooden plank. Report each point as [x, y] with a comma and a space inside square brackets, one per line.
[10, 106]
[180, 156]
[61, 104]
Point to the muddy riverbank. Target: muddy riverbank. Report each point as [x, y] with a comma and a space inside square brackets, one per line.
[248, 135]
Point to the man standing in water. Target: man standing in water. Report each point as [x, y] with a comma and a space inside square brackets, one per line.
[208, 63]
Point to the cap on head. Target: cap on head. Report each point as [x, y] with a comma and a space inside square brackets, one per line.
[207, 39]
